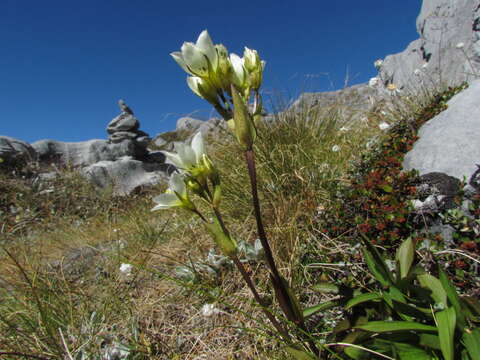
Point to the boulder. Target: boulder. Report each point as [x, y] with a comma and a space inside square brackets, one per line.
[127, 174]
[13, 150]
[79, 154]
[450, 142]
[448, 50]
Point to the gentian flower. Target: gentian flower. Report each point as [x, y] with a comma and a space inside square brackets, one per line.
[175, 196]
[199, 59]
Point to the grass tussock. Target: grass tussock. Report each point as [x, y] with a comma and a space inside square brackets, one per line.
[63, 296]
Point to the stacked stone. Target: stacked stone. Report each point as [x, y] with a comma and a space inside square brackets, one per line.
[125, 127]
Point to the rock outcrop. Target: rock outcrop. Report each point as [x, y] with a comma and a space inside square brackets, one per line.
[123, 161]
[14, 150]
[447, 52]
[450, 142]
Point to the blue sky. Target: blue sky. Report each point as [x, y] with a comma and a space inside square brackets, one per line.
[65, 63]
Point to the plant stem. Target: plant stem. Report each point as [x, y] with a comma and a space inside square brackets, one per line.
[259, 300]
[280, 289]
[250, 158]
[251, 285]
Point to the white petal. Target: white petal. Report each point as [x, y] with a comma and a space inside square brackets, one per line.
[165, 201]
[177, 184]
[175, 159]
[186, 154]
[195, 59]
[193, 82]
[198, 146]
[205, 44]
[238, 69]
[177, 56]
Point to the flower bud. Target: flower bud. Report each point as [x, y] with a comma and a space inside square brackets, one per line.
[244, 127]
[223, 240]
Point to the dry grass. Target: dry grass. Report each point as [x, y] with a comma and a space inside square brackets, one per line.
[60, 267]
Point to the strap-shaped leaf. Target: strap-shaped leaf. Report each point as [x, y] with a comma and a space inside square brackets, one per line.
[299, 354]
[453, 297]
[446, 320]
[372, 296]
[312, 310]
[376, 264]
[471, 340]
[405, 255]
[430, 282]
[391, 326]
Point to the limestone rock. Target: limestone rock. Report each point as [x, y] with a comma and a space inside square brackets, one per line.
[78, 154]
[450, 142]
[13, 150]
[448, 50]
[123, 122]
[126, 174]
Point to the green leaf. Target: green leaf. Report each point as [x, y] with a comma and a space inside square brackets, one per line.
[299, 354]
[390, 326]
[435, 286]
[471, 340]
[326, 287]
[376, 264]
[312, 310]
[362, 298]
[405, 255]
[387, 188]
[451, 292]
[446, 320]
[401, 350]
[430, 340]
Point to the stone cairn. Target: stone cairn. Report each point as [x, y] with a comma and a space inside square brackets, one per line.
[126, 127]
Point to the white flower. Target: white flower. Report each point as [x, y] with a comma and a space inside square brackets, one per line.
[460, 45]
[344, 129]
[202, 88]
[378, 64]
[335, 148]
[425, 65]
[383, 126]
[209, 310]
[364, 119]
[188, 156]
[417, 72]
[126, 269]
[197, 59]
[373, 82]
[175, 196]
[238, 73]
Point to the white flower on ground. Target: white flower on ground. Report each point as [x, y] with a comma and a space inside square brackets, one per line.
[417, 72]
[378, 64]
[344, 129]
[460, 45]
[383, 125]
[373, 82]
[198, 59]
[209, 310]
[175, 196]
[335, 148]
[126, 269]
[425, 65]
[188, 156]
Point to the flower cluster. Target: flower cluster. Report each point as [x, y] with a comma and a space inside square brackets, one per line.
[227, 81]
[213, 71]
